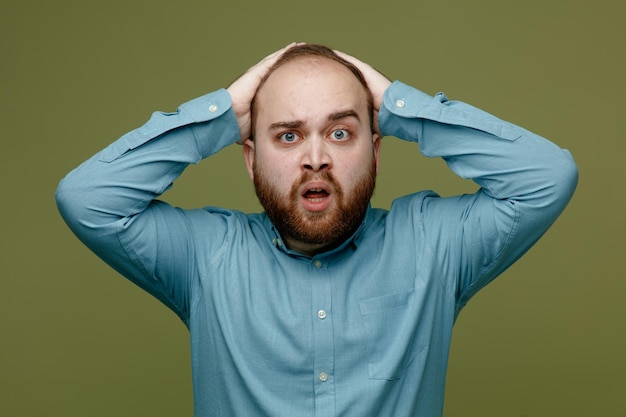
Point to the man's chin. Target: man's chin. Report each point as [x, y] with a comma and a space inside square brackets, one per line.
[320, 228]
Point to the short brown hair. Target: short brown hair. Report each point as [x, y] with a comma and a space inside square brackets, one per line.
[311, 51]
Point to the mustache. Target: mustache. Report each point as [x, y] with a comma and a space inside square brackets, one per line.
[308, 176]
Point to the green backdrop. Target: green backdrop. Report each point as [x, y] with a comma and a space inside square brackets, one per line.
[546, 339]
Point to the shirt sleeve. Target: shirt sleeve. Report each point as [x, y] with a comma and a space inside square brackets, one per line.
[525, 182]
[110, 200]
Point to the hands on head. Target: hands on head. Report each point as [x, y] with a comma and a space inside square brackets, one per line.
[243, 89]
[376, 82]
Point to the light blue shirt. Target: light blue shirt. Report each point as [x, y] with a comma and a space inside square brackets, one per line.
[362, 330]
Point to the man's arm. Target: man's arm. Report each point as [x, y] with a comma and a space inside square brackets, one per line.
[525, 183]
[110, 200]
[525, 180]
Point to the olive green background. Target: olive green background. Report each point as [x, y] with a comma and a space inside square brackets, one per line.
[546, 339]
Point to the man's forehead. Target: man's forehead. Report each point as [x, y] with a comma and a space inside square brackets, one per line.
[310, 91]
[313, 77]
[305, 69]
[309, 62]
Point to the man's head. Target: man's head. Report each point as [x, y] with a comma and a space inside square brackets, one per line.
[314, 156]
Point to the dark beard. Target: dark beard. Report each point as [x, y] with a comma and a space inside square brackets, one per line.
[328, 228]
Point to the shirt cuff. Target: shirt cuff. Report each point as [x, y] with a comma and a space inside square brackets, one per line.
[215, 107]
[405, 109]
[401, 106]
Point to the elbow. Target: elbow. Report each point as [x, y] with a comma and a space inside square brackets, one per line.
[551, 190]
[554, 187]
[76, 203]
[69, 203]
[550, 184]
[566, 178]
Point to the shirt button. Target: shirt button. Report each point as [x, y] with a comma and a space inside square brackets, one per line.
[323, 376]
[212, 108]
[400, 103]
[317, 263]
[321, 314]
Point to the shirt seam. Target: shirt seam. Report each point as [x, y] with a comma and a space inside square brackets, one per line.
[480, 281]
[195, 296]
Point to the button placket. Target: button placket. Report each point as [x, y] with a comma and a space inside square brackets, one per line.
[323, 337]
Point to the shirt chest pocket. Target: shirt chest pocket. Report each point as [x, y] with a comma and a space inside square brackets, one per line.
[393, 338]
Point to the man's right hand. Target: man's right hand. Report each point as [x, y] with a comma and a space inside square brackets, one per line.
[243, 89]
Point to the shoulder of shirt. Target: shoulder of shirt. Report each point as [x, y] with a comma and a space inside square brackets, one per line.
[414, 199]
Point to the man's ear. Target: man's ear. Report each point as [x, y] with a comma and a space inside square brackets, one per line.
[376, 138]
[248, 156]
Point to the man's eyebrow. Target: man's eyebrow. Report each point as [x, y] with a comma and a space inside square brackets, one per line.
[343, 115]
[295, 124]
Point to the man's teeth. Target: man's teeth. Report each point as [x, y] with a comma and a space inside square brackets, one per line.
[316, 193]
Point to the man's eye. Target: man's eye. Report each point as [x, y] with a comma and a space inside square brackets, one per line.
[340, 134]
[288, 137]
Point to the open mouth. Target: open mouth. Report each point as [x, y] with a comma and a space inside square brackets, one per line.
[315, 194]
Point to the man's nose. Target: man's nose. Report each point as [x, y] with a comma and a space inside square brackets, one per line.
[316, 155]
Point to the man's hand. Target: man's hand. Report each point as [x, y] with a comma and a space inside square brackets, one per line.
[376, 82]
[243, 89]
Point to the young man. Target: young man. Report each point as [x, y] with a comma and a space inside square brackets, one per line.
[322, 305]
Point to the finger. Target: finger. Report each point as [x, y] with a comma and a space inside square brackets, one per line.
[273, 57]
[350, 58]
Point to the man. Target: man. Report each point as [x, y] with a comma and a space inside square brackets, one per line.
[322, 305]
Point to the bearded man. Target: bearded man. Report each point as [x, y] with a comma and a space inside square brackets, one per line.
[321, 305]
